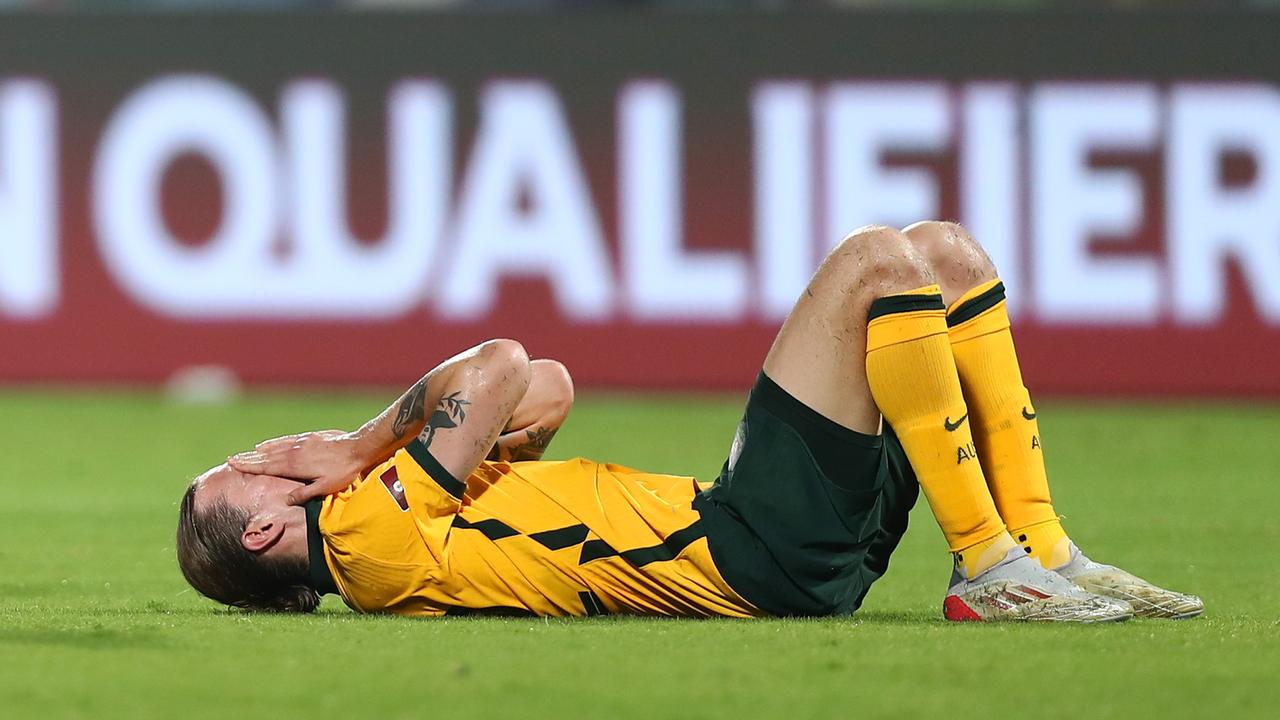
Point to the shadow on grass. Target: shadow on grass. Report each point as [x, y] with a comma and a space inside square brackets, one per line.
[898, 617]
[871, 617]
[156, 609]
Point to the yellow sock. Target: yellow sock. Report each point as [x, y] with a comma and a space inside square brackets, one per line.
[1046, 542]
[913, 379]
[1004, 422]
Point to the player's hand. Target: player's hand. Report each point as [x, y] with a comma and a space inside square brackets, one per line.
[326, 460]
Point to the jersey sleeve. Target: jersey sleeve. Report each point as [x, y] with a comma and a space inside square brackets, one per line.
[432, 494]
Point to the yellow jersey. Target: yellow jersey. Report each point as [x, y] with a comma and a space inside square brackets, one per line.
[574, 537]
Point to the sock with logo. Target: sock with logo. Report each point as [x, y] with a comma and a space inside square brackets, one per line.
[1004, 422]
[913, 379]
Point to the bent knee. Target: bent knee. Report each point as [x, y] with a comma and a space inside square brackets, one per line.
[507, 358]
[881, 258]
[934, 238]
[950, 250]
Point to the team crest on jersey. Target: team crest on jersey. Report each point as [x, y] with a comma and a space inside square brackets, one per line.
[391, 481]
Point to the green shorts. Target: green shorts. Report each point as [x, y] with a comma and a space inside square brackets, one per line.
[805, 512]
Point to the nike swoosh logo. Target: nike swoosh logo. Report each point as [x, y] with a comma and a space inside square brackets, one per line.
[1028, 415]
[951, 426]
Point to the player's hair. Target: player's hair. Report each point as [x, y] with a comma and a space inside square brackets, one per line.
[220, 568]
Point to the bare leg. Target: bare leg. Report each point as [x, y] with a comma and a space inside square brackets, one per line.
[957, 260]
[1004, 422]
[820, 352]
[832, 356]
[869, 337]
[1003, 416]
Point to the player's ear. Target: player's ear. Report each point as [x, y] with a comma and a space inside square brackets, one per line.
[261, 533]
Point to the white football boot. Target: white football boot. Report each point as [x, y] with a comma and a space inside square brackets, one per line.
[1019, 589]
[1146, 599]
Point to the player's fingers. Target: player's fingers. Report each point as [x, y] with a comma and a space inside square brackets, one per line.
[281, 442]
[319, 488]
[264, 463]
[246, 461]
[301, 495]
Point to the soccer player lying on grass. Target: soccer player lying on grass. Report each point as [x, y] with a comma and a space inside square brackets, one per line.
[441, 504]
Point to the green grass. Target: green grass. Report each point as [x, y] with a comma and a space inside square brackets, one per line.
[95, 620]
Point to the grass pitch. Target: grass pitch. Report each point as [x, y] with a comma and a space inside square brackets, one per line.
[96, 621]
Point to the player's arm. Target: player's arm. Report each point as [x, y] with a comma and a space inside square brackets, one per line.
[456, 411]
[541, 412]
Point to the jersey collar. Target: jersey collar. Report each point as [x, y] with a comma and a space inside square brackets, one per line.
[320, 577]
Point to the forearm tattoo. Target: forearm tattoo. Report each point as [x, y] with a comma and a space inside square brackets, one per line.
[411, 410]
[450, 412]
[537, 440]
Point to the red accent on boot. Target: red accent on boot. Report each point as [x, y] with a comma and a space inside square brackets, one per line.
[954, 609]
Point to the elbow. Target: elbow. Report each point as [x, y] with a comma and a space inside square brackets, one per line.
[504, 366]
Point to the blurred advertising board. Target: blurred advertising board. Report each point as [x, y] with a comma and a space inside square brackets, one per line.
[348, 198]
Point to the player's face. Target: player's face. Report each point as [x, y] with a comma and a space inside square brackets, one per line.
[259, 494]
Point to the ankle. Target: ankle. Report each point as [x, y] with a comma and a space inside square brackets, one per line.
[980, 557]
[1046, 542]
